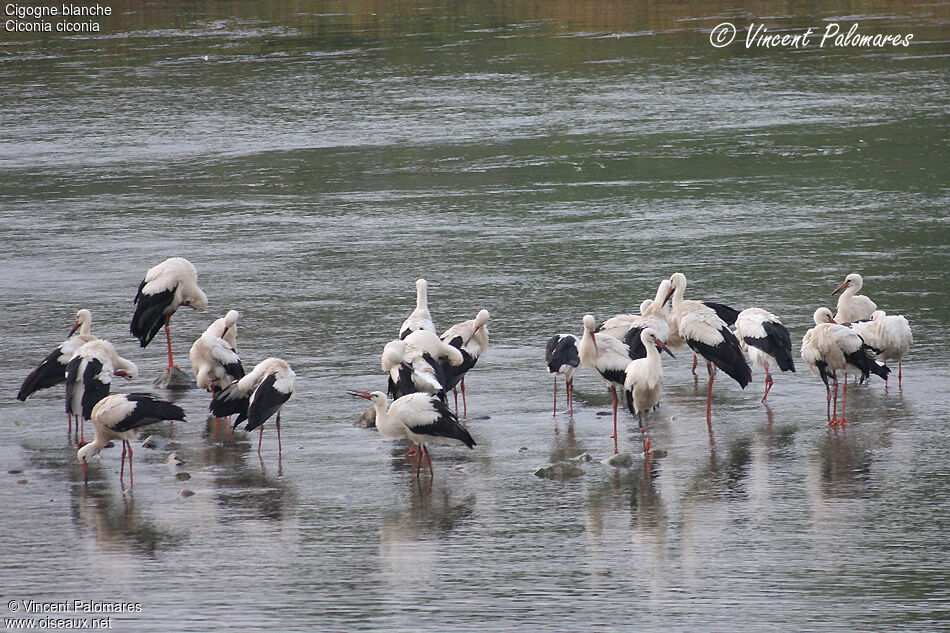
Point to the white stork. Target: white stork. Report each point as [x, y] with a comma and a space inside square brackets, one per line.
[214, 357]
[411, 369]
[166, 287]
[617, 326]
[422, 418]
[643, 384]
[830, 349]
[471, 338]
[561, 356]
[420, 319]
[708, 335]
[651, 316]
[117, 417]
[889, 335]
[607, 356]
[257, 396]
[52, 371]
[762, 335]
[852, 306]
[89, 377]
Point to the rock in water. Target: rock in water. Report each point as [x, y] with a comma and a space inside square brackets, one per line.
[583, 457]
[185, 493]
[561, 471]
[620, 460]
[173, 460]
[174, 378]
[367, 420]
[155, 442]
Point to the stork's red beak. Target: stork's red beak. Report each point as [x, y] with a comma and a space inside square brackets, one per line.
[225, 332]
[120, 372]
[669, 294]
[661, 346]
[73, 331]
[832, 320]
[843, 285]
[594, 339]
[361, 394]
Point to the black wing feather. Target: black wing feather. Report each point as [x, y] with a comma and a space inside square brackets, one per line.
[148, 410]
[777, 343]
[724, 312]
[446, 425]
[267, 401]
[49, 373]
[72, 377]
[149, 314]
[94, 389]
[634, 344]
[229, 401]
[727, 356]
[560, 351]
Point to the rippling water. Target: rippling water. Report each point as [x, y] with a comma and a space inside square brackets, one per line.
[542, 162]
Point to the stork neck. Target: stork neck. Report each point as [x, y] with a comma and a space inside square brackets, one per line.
[422, 298]
[678, 295]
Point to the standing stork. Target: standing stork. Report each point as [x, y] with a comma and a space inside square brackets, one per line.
[762, 335]
[643, 384]
[257, 396]
[653, 317]
[411, 369]
[561, 356]
[117, 417]
[889, 335]
[852, 306]
[830, 349]
[420, 319]
[471, 339]
[166, 287]
[708, 335]
[214, 357]
[89, 377]
[618, 326]
[423, 418]
[52, 371]
[608, 357]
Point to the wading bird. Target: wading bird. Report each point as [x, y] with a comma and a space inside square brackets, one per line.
[214, 357]
[257, 396]
[562, 358]
[117, 417]
[471, 339]
[89, 377]
[708, 335]
[651, 317]
[643, 384]
[411, 369]
[166, 287]
[889, 335]
[830, 349]
[607, 356]
[852, 306]
[762, 335]
[422, 418]
[420, 319]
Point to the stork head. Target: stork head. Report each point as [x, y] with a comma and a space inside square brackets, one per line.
[851, 281]
[83, 322]
[230, 320]
[589, 326]
[878, 315]
[677, 280]
[823, 315]
[196, 299]
[393, 354]
[376, 397]
[649, 337]
[481, 319]
[87, 452]
[645, 305]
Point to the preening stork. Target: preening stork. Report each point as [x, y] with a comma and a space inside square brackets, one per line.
[420, 319]
[762, 335]
[166, 287]
[214, 357]
[607, 356]
[618, 326]
[708, 335]
[411, 369]
[889, 335]
[652, 316]
[422, 418]
[117, 417]
[257, 396]
[852, 306]
[52, 371]
[89, 377]
[471, 339]
[643, 384]
[830, 349]
[561, 356]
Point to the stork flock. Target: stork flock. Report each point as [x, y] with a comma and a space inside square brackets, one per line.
[87, 365]
[624, 351]
[422, 366]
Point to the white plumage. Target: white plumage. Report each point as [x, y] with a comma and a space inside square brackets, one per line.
[651, 309]
[889, 335]
[257, 396]
[410, 369]
[562, 357]
[763, 337]
[420, 319]
[89, 377]
[643, 384]
[52, 371]
[471, 339]
[852, 306]
[430, 342]
[214, 357]
[607, 356]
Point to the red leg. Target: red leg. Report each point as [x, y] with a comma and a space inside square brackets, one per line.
[712, 376]
[613, 392]
[555, 394]
[768, 383]
[122, 468]
[828, 399]
[900, 373]
[464, 404]
[695, 361]
[278, 435]
[425, 451]
[168, 337]
[844, 400]
[569, 386]
[131, 476]
[456, 394]
[260, 440]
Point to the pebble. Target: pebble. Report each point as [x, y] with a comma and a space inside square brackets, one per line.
[523, 450]
[22, 481]
[15, 471]
[184, 492]
[182, 476]
[583, 457]
[657, 453]
[174, 378]
[620, 460]
[367, 419]
[155, 441]
[561, 471]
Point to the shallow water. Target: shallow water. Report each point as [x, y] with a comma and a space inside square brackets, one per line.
[542, 163]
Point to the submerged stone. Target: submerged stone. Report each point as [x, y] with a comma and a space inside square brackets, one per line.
[561, 471]
[174, 378]
[182, 476]
[155, 441]
[583, 457]
[620, 460]
[184, 492]
[367, 419]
